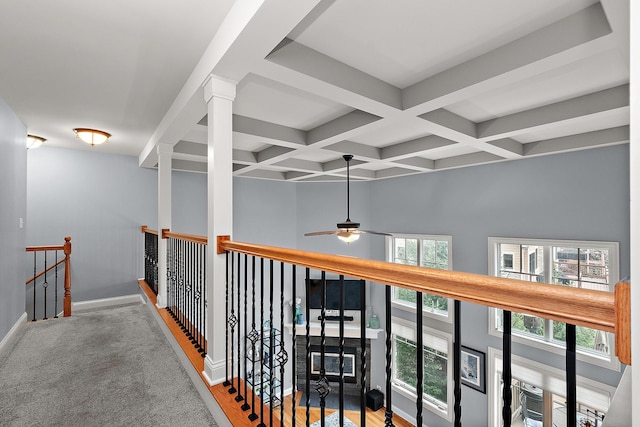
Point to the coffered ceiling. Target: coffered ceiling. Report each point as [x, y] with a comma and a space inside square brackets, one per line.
[409, 86]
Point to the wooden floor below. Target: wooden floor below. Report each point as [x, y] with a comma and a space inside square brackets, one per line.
[233, 409]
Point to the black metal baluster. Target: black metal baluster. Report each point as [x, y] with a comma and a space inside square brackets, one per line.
[571, 374]
[239, 397]
[419, 359]
[261, 347]
[341, 352]
[204, 301]
[506, 369]
[45, 285]
[282, 356]
[232, 324]
[388, 413]
[197, 295]
[307, 387]
[294, 384]
[363, 354]
[183, 283]
[254, 336]
[271, 343]
[55, 303]
[245, 406]
[191, 333]
[35, 258]
[322, 385]
[226, 382]
[457, 355]
[192, 293]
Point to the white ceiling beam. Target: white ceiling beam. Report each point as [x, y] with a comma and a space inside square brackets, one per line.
[447, 121]
[513, 148]
[270, 132]
[297, 57]
[419, 164]
[414, 147]
[191, 148]
[272, 154]
[600, 138]
[356, 149]
[188, 166]
[563, 42]
[341, 128]
[580, 108]
[261, 174]
[618, 13]
[244, 157]
[466, 160]
[394, 172]
[246, 35]
[300, 165]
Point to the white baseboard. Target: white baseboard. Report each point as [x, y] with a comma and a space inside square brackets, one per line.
[105, 302]
[10, 339]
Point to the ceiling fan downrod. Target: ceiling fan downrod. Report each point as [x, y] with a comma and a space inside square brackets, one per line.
[348, 223]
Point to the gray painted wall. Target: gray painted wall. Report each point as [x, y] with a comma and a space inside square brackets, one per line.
[101, 201]
[13, 165]
[582, 196]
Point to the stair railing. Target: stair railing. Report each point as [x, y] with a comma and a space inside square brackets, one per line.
[606, 311]
[42, 278]
[151, 258]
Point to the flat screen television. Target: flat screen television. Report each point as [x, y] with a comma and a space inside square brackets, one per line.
[332, 300]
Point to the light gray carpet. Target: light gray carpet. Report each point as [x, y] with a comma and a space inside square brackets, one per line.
[110, 367]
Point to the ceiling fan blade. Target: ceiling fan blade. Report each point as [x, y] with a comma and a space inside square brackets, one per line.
[321, 233]
[380, 233]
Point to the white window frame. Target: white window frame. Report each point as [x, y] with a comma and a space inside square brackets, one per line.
[408, 307]
[544, 343]
[406, 329]
[589, 392]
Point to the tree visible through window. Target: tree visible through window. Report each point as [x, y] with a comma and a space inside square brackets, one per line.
[428, 251]
[435, 369]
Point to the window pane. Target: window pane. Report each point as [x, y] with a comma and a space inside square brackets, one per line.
[435, 369]
[442, 254]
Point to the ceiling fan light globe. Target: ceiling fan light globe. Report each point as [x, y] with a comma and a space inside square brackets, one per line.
[348, 237]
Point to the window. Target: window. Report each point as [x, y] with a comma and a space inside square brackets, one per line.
[437, 369]
[538, 394]
[589, 265]
[424, 251]
[507, 261]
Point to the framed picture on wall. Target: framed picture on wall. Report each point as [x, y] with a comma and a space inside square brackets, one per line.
[473, 369]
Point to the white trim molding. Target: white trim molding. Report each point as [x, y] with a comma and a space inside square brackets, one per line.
[106, 302]
[10, 339]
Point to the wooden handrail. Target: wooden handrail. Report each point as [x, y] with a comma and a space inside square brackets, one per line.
[45, 271]
[166, 234]
[146, 229]
[44, 248]
[600, 310]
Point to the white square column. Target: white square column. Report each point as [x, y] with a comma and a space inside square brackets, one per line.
[219, 95]
[165, 153]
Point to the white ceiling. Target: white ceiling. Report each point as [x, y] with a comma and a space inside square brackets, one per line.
[409, 86]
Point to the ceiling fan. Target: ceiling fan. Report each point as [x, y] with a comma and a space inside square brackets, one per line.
[348, 231]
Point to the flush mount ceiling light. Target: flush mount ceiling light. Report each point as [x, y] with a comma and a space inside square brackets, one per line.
[92, 136]
[34, 141]
[348, 231]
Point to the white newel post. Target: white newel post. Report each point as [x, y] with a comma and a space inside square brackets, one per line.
[165, 153]
[219, 95]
